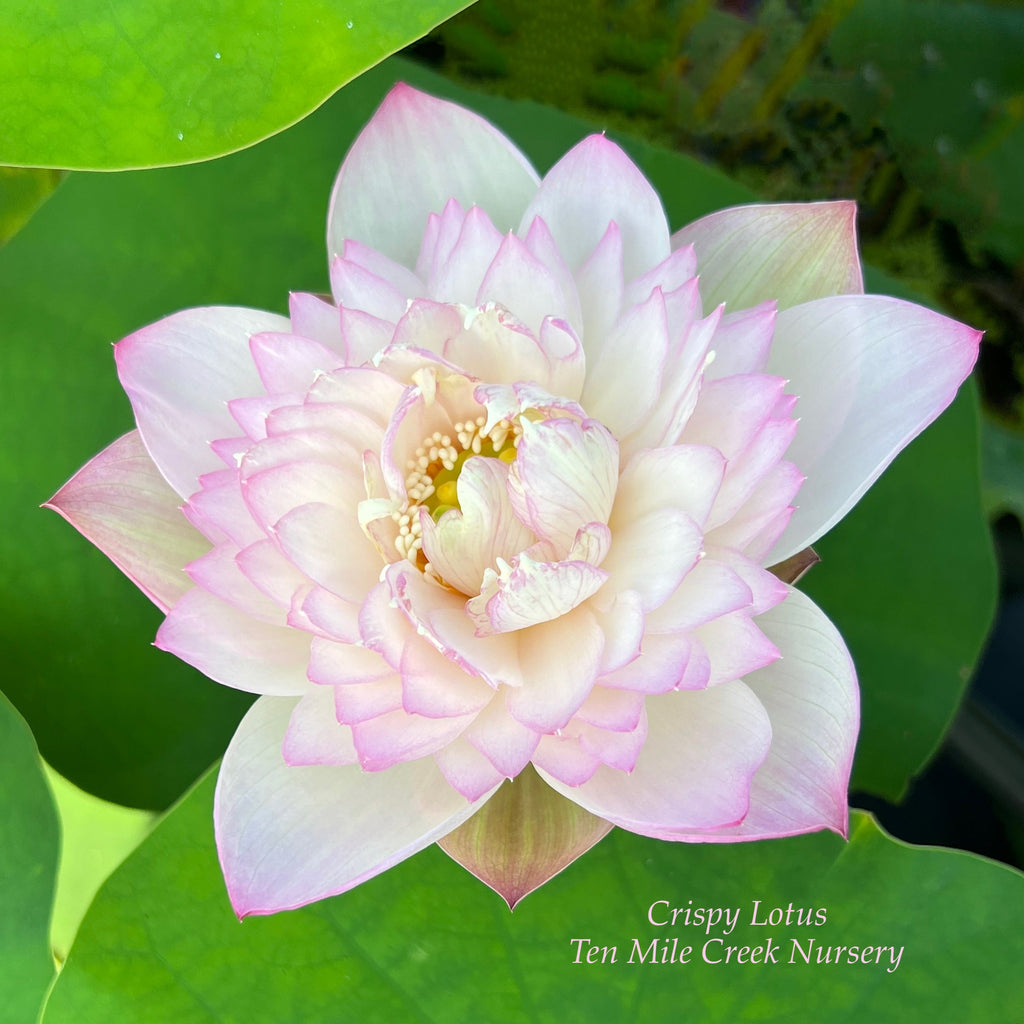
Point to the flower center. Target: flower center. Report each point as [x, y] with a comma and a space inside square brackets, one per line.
[432, 476]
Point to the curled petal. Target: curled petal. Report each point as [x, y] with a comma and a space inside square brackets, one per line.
[564, 475]
[532, 592]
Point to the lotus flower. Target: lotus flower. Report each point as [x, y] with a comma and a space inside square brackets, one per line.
[488, 531]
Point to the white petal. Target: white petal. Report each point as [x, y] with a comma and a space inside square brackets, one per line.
[872, 373]
[290, 835]
[594, 184]
[701, 752]
[811, 697]
[180, 373]
[416, 153]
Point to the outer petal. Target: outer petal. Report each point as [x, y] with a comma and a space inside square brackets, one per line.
[121, 503]
[234, 649]
[694, 771]
[791, 252]
[812, 700]
[180, 373]
[290, 835]
[593, 185]
[872, 373]
[525, 835]
[416, 153]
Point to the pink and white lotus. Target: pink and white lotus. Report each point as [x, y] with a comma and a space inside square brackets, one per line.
[502, 510]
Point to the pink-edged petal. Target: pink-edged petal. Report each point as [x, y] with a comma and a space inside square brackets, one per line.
[695, 769]
[541, 243]
[563, 476]
[871, 373]
[355, 287]
[675, 270]
[290, 835]
[329, 614]
[617, 710]
[359, 704]
[179, 374]
[314, 318]
[624, 381]
[520, 282]
[436, 687]
[594, 184]
[120, 502]
[334, 664]
[680, 386]
[494, 345]
[766, 589]
[269, 571]
[622, 623]
[235, 649]
[314, 734]
[600, 286]
[400, 277]
[523, 836]
[565, 356]
[811, 697]
[560, 661]
[504, 741]
[652, 554]
[735, 646]
[710, 589]
[617, 748]
[289, 363]
[755, 527]
[406, 598]
[790, 252]
[730, 412]
[363, 335]
[218, 510]
[397, 736]
[561, 757]
[742, 341]
[330, 549]
[467, 770]
[457, 276]
[218, 572]
[531, 592]
[686, 477]
[750, 468]
[401, 168]
[663, 664]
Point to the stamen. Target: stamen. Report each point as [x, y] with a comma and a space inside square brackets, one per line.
[432, 474]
